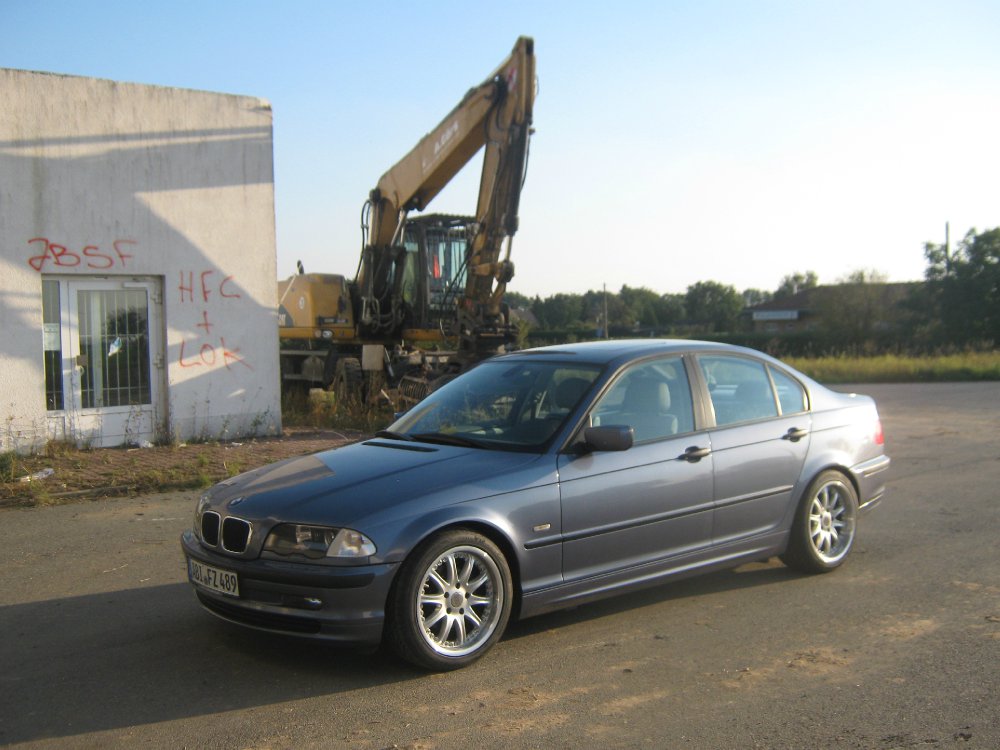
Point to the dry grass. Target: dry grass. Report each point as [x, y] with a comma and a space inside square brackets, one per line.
[107, 472]
[892, 368]
[310, 424]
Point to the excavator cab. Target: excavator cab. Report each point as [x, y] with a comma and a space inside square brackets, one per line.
[437, 249]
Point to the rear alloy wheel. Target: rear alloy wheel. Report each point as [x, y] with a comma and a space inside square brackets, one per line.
[452, 601]
[825, 525]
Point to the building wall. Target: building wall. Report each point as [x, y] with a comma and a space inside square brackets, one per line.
[127, 186]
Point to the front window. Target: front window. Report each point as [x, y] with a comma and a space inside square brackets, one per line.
[445, 245]
[652, 398]
[510, 405]
[446, 269]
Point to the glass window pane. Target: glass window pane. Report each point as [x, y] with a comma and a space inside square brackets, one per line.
[52, 345]
[653, 398]
[791, 395]
[114, 344]
[446, 258]
[507, 405]
[739, 389]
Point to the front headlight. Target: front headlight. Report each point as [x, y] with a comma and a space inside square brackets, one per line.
[317, 542]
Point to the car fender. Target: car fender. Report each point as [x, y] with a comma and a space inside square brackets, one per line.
[525, 524]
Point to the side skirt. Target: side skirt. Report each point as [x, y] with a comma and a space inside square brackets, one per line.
[652, 574]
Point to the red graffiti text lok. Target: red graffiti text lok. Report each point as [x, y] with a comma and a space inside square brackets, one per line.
[209, 355]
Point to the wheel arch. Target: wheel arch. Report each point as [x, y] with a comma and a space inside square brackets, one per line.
[811, 471]
[486, 529]
[840, 469]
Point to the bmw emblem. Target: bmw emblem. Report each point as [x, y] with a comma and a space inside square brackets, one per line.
[236, 501]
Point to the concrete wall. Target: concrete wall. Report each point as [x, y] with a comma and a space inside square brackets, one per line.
[116, 181]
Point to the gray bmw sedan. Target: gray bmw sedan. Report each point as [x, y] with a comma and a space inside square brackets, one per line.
[538, 480]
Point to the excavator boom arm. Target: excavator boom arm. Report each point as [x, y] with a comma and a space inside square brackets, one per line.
[500, 191]
[420, 175]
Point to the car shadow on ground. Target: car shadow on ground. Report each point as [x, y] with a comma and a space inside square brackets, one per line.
[125, 658]
[107, 661]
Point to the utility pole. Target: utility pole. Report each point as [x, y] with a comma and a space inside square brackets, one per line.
[947, 249]
[607, 323]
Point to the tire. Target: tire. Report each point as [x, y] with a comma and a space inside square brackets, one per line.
[348, 382]
[330, 370]
[452, 601]
[825, 525]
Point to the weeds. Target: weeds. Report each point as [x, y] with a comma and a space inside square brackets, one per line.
[41, 495]
[318, 408]
[8, 466]
[58, 448]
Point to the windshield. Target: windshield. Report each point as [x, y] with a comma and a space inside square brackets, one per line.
[505, 405]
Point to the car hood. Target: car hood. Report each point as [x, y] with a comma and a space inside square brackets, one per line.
[348, 484]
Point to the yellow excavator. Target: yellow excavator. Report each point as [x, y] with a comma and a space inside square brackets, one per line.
[427, 298]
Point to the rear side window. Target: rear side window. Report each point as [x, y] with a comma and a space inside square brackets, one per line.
[791, 395]
[739, 388]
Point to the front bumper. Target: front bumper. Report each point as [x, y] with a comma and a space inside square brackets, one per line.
[345, 604]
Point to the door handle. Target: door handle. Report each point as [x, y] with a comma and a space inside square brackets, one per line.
[794, 434]
[694, 454]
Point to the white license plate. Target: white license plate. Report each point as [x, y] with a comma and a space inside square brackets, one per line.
[216, 579]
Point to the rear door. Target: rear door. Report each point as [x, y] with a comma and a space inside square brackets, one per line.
[759, 443]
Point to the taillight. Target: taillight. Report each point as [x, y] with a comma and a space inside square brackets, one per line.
[879, 435]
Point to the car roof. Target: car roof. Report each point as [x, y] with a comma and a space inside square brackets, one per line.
[606, 351]
[620, 352]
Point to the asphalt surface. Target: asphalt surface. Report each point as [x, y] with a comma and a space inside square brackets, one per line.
[102, 642]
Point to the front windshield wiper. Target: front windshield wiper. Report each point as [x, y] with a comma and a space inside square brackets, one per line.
[393, 435]
[446, 439]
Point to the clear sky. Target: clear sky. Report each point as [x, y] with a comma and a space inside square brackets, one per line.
[676, 141]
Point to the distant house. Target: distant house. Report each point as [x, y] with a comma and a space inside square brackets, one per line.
[809, 309]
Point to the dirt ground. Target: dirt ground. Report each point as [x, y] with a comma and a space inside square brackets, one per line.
[63, 474]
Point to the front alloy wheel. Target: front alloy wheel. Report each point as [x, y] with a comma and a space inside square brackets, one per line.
[452, 601]
[825, 525]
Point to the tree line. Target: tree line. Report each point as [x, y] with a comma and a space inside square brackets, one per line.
[957, 305]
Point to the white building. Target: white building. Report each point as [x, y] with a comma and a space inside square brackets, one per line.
[137, 263]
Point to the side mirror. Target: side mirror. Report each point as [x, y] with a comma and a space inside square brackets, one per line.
[610, 437]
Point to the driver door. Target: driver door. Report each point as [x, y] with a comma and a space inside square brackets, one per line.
[646, 504]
